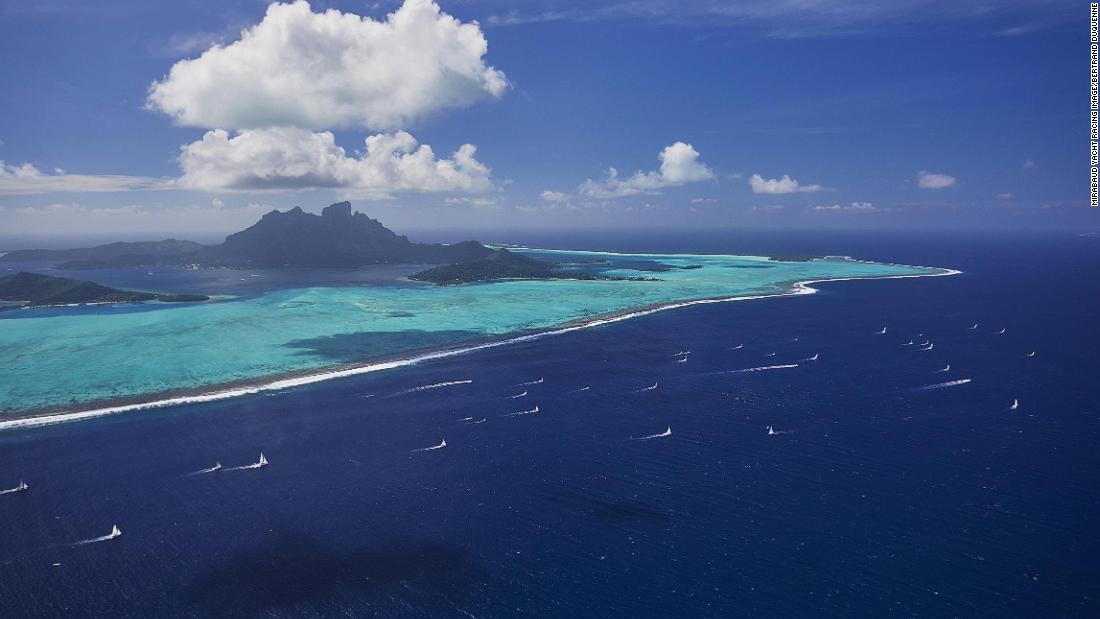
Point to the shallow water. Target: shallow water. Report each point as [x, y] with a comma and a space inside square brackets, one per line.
[68, 356]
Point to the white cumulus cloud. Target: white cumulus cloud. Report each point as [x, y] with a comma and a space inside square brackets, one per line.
[289, 158]
[932, 180]
[679, 165]
[786, 184]
[332, 69]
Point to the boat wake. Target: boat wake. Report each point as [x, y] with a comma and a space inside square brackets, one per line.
[20, 488]
[449, 383]
[518, 395]
[946, 369]
[247, 467]
[813, 358]
[441, 445]
[530, 412]
[683, 359]
[532, 382]
[762, 368]
[580, 390]
[944, 385]
[115, 532]
[664, 434]
[649, 388]
[217, 467]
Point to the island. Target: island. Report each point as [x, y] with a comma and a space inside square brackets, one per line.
[337, 238]
[503, 264]
[25, 289]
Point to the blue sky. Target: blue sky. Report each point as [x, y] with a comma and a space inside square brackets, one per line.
[845, 113]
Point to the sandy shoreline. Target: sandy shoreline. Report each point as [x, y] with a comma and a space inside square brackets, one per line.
[209, 393]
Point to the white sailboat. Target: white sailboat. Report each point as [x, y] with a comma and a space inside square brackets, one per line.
[114, 532]
[975, 326]
[883, 332]
[1002, 331]
[813, 358]
[262, 462]
[1031, 354]
[771, 431]
[667, 432]
[1015, 405]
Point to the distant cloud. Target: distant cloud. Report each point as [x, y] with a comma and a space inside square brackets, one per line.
[50, 217]
[794, 18]
[786, 184]
[703, 200]
[769, 208]
[27, 179]
[854, 207]
[554, 197]
[474, 202]
[298, 68]
[1028, 164]
[291, 159]
[1006, 196]
[932, 180]
[679, 165]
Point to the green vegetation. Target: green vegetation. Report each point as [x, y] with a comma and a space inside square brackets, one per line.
[34, 289]
[503, 264]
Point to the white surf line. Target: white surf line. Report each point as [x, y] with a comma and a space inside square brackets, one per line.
[760, 369]
[950, 383]
[441, 445]
[533, 411]
[664, 434]
[518, 395]
[798, 288]
[449, 383]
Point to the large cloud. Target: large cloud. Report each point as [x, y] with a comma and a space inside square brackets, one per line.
[288, 158]
[679, 164]
[332, 69]
[786, 184]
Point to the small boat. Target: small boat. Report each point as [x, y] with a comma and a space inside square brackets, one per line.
[442, 444]
[946, 369]
[21, 487]
[883, 332]
[114, 533]
[262, 462]
[813, 358]
[738, 347]
[1002, 331]
[771, 431]
[1015, 405]
[909, 343]
[1031, 354]
[218, 465]
[771, 354]
[975, 326]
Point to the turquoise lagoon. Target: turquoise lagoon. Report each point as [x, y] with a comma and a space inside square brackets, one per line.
[72, 359]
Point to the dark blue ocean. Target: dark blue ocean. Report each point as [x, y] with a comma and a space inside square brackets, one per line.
[875, 497]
